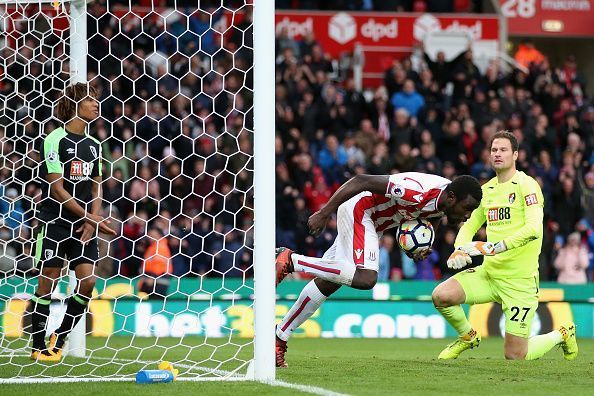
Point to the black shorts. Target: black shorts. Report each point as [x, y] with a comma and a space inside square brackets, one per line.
[55, 243]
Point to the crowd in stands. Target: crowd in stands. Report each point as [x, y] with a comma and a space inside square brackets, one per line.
[435, 118]
[176, 130]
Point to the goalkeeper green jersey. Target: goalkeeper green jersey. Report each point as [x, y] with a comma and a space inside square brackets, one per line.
[513, 212]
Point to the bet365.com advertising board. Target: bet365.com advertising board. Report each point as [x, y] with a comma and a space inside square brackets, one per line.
[397, 310]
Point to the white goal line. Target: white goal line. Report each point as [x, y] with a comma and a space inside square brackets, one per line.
[225, 376]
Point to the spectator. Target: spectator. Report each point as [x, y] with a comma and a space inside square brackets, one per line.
[379, 164]
[527, 54]
[569, 74]
[157, 265]
[464, 75]
[317, 193]
[483, 165]
[451, 147]
[426, 269]
[405, 161]
[355, 155]
[11, 211]
[367, 138]
[572, 261]
[427, 161]
[402, 130]
[283, 42]
[231, 261]
[440, 68]
[380, 113]
[385, 257]
[408, 99]
[332, 159]
[394, 78]
[567, 209]
[587, 189]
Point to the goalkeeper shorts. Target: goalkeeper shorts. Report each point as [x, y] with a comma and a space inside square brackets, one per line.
[518, 297]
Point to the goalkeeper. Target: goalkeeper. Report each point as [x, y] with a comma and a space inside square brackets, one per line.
[68, 216]
[512, 207]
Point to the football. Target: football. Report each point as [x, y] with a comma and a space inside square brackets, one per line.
[415, 235]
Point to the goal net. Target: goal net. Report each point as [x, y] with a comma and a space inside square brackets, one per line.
[176, 131]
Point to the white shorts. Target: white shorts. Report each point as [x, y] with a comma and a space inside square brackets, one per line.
[357, 241]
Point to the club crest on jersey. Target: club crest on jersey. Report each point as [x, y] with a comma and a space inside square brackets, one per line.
[396, 190]
[372, 256]
[511, 198]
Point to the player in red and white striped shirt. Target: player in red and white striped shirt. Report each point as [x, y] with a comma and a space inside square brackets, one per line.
[366, 207]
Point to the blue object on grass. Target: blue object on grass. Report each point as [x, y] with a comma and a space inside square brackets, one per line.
[154, 376]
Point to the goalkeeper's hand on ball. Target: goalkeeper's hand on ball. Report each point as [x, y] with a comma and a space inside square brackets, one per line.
[459, 259]
[478, 248]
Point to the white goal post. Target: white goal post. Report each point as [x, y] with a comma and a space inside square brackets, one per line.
[204, 357]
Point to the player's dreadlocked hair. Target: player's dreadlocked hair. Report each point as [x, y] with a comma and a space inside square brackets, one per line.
[73, 94]
[465, 185]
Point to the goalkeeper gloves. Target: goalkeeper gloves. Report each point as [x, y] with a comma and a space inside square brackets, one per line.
[478, 248]
[459, 259]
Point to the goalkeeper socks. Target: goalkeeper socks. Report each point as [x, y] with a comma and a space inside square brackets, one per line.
[39, 317]
[77, 304]
[539, 345]
[457, 318]
[331, 270]
[308, 302]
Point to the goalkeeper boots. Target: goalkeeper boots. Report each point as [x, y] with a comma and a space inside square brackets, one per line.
[453, 350]
[284, 265]
[281, 349]
[56, 345]
[44, 355]
[569, 343]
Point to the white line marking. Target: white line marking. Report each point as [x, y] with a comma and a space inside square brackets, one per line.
[304, 388]
[224, 376]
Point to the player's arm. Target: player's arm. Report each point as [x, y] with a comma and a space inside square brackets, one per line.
[97, 176]
[358, 184]
[460, 257]
[88, 229]
[470, 227]
[465, 246]
[96, 195]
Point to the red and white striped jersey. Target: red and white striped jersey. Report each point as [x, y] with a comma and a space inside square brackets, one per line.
[409, 196]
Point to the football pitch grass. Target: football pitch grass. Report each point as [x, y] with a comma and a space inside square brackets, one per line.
[348, 366]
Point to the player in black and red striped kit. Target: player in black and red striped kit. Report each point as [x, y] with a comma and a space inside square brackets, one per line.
[366, 207]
